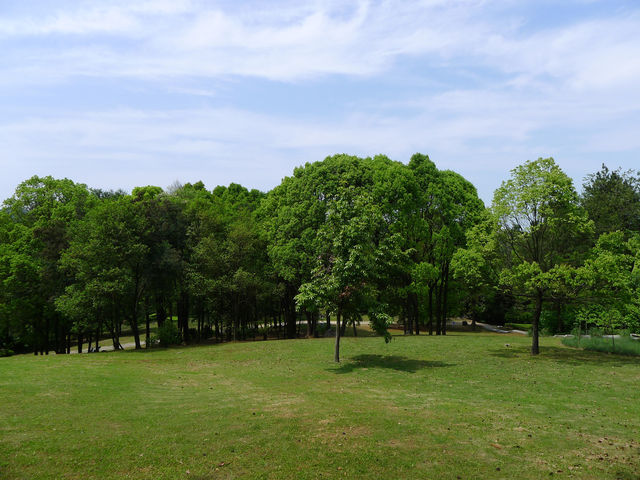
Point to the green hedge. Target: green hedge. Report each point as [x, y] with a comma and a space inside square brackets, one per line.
[622, 346]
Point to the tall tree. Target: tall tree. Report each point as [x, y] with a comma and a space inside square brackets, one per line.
[446, 206]
[474, 267]
[293, 213]
[539, 221]
[612, 200]
[611, 276]
[40, 215]
[349, 263]
[109, 258]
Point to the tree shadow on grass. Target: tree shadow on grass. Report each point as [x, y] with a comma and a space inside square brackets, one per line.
[393, 362]
[568, 355]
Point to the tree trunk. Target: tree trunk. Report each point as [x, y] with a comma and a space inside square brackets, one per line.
[56, 335]
[415, 311]
[183, 315]
[438, 308]
[79, 342]
[98, 337]
[343, 327]
[560, 323]
[161, 313]
[46, 335]
[290, 312]
[336, 355]
[111, 325]
[147, 338]
[445, 304]
[309, 332]
[133, 321]
[235, 324]
[535, 346]
[315, 319]
[430, 310]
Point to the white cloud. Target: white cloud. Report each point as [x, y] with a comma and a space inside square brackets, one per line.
[291, 42]
[579, 79]
[458, 129]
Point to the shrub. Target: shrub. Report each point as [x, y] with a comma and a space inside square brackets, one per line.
[596, 332]
[622, 346]
[6, 352]
[168, 334]
[321, 329]
[207, 332]
[518, 315]
[263, 332]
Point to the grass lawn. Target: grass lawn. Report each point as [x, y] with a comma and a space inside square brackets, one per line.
[462, 406]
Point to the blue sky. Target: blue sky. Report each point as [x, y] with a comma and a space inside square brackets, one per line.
[117, 94]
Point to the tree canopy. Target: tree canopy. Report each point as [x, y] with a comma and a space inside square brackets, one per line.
[341, 241]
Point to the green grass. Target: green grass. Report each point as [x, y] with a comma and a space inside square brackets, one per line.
[622, 346]
[461, 406]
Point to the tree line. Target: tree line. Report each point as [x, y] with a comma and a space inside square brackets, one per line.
[339, 240]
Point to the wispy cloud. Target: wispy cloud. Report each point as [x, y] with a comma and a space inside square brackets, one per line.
[468, 81]
[221, 145]
[289, 42]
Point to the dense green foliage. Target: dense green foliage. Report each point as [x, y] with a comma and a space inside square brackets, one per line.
[347, 239]
[537, 247]
[419, 407]
[612, 199]
[610, 344]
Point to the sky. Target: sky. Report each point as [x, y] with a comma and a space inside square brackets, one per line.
[118, 94]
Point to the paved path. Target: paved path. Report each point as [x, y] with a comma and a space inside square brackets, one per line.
[486, 326]
[109, 348]
[493, 328]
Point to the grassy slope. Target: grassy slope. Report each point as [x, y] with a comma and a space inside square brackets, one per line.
[462, 406]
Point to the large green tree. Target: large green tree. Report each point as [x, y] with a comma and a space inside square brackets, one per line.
[108, 259]
[539, 222]
[36, 231]
[612, 200]
[293, 213]
[611, 283]
[350, 261]
[227, 271]
[445, 206]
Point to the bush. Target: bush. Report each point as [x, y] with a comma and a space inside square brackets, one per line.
[622, 346]
[168, 334]
[596, 332]
[207, 332]
[518, 315]
[6, 352]
[321, 329]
